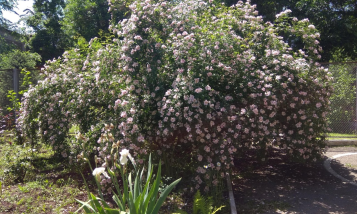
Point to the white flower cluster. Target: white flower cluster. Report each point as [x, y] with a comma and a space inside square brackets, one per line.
[189, 86]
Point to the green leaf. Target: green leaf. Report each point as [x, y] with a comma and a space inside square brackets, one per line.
[164, 194]
[115, 182]
[112, 211]
[218, 209]
[141, 195]
[97, 204]
[196, 202]
[131, 204]
[149, 169]
[136, 186]
[87, 188]
[125, 184]
[148, 195]
[86, 206]
[130, 184]
[152, 195]
[118, 201]
[137, 195]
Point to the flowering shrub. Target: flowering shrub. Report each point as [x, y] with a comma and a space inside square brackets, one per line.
[191, 80]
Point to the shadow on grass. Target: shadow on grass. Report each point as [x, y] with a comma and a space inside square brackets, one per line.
[283, 186]
[50, 168]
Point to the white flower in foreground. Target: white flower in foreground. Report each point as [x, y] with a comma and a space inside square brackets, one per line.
[98, 171]
[124, 154]
[78, 135]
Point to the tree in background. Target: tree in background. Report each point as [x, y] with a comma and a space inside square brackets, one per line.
[85, 18]
[59, 25]
[10, 54]
[343, 99]
[6, 46]
[5, 24]
[49, 40]
[6, 5]
[19, 59]
[336, 21]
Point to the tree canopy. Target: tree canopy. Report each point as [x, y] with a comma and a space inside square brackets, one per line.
[336, 21]
[86, 18]
[58, 24]
[49, 40]
[6, 5]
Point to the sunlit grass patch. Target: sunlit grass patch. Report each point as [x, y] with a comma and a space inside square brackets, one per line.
[33, 180]
[331, 136]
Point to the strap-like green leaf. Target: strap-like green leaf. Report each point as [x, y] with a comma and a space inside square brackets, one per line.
[151, 199]
[87, 188]
[196, 202]
[131, 204]
[146, 196]
[97, 204]
[136, 186]
[112, 211]
[114, 180]
[86, 206]
[163, 196]
[149, 169]
[125, 185]
[218, 209]
[138, 196]
[130, 184]
[138, 203]
[154, 190]
[104, 203]
[118, 202]
[141, 180]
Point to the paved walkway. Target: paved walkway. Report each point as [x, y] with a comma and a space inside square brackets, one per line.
[285, 187]
[342, 163]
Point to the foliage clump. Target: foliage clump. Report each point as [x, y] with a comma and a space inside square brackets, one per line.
[192, 81]
[9, 61]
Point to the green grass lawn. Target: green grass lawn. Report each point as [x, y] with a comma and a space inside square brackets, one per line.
[332, 136]
[33, 180]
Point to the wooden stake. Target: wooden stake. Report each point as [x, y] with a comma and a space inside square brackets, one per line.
[231, 196]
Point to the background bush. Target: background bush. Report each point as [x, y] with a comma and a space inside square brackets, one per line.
[8, 61]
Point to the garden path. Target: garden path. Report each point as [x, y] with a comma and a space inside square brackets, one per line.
[280, 186]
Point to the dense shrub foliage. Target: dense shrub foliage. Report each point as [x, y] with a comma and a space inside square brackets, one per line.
[192, 81]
